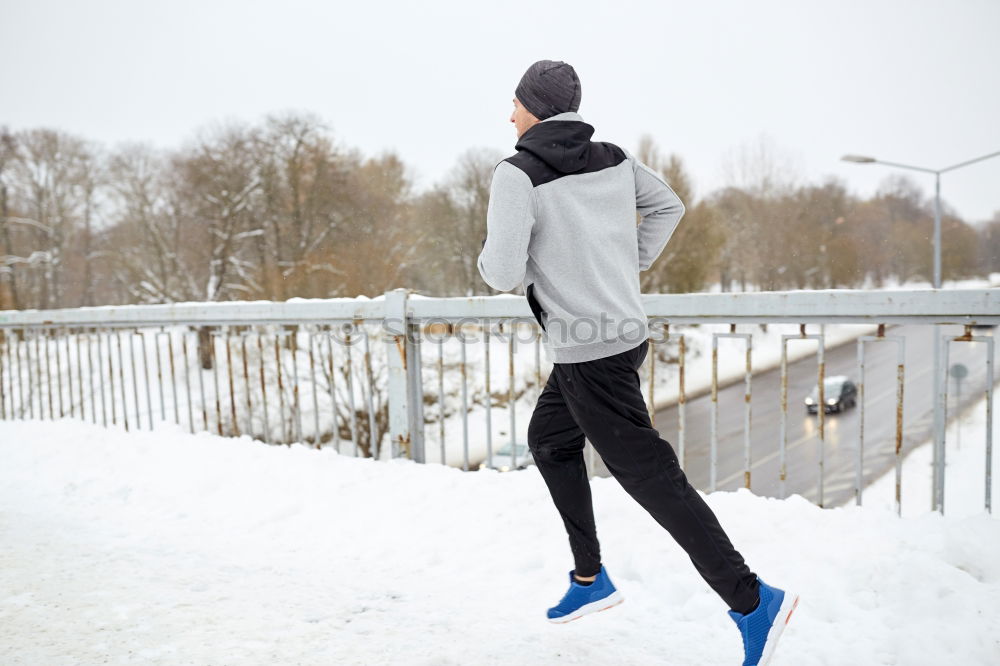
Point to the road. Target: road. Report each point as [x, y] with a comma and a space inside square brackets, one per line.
[841, 430]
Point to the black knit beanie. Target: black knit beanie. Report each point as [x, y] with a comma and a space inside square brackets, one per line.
[549, 87]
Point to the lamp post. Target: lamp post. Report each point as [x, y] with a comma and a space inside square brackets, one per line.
[937, 486]
[860, 159]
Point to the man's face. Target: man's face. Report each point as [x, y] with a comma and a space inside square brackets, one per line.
[522, 118]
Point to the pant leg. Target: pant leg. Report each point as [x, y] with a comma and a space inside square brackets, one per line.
[556, 443]
[605, 399]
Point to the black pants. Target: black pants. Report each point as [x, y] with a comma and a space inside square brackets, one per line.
[602, 401]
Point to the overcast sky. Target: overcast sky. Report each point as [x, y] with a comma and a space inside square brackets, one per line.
[912, 81]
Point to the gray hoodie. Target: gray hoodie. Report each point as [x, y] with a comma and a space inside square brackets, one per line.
[561, 223]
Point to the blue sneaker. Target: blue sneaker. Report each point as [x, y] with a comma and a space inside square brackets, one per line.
[581, 600]
[762, 627]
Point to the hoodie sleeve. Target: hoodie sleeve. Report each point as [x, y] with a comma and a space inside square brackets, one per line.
[509, 219]
[660, 209]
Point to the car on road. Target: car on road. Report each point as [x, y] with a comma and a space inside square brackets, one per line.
[501, 458]
[839, 394]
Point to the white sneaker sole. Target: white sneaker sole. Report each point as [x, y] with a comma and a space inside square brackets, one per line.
[788, 605]
[607, 602]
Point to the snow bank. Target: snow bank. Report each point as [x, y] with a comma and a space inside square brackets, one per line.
[164, 548]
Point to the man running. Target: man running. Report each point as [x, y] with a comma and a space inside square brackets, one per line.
[561, 222]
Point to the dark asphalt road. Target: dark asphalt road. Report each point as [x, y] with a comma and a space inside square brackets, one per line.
[841, 430]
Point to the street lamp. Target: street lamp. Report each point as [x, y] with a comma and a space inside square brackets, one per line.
[861, 159]
[937, 490]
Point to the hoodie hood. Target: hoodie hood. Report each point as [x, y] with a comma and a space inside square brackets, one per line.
[562, 142]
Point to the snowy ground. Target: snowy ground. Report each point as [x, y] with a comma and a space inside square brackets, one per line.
[169, 548]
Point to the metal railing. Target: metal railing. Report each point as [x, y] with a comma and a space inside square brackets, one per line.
[354, 374]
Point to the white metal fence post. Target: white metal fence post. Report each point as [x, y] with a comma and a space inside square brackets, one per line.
[415, 386]
[398, 352]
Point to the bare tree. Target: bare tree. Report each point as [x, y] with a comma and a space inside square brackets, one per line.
[433, 213]
[900, 202]
[304, 207]
[458, 237]
[211, 202]
[758, 174]
[379, 250]
[8, 279]
[54, 178]
[989, 246]
[91, 176]
[693, 249]
[151, 263]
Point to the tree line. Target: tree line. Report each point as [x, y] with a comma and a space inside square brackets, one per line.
[281, 208]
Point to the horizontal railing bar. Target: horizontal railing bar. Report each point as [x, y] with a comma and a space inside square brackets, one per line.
[922, 306]
[918, 306]
[957, 320]
[319, 311]
[948, 305]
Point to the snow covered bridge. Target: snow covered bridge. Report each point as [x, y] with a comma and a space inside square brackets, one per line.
[134, 533]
